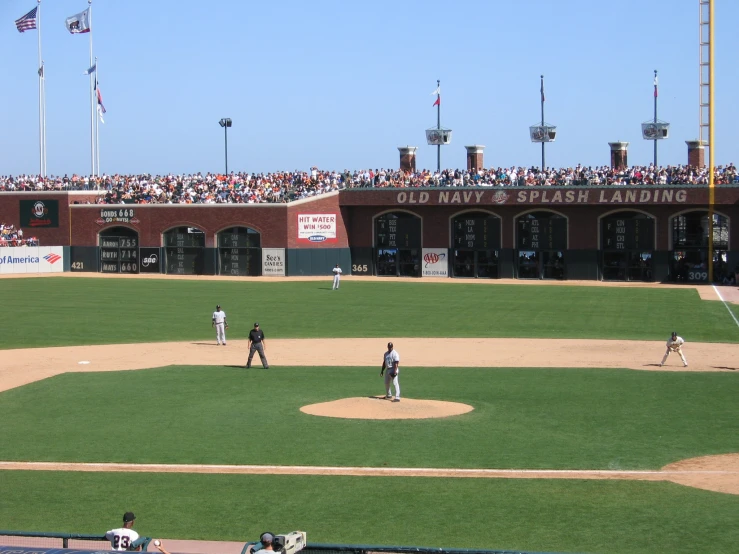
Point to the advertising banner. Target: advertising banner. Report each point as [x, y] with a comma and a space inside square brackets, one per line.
[32, 259]
[435, 263]
[39, 214]
[149, 260]
[316, 228]
[273, 262]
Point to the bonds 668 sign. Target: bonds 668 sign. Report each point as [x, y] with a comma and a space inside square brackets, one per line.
[120, 215]
[316, 228]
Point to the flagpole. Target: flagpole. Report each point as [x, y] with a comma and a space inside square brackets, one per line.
[40, 94]
[438, 124]
[542, 121]
[97, 120]
[655, 117]
[92, 104]
[43, 105]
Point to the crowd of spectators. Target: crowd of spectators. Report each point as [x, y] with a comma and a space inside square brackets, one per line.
[281, 187]
[10, 236]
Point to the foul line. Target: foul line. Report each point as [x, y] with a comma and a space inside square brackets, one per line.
[725, 304]
[360, 471]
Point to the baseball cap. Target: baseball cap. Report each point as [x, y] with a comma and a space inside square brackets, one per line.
[128, 516]
[218, 306]
[256, 324]
[674, 333]
[267, 537]
[390, 345]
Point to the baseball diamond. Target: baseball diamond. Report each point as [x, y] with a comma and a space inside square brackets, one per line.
[195, 413]
[532, 407]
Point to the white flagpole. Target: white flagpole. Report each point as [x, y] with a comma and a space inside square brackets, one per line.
[92, 100]
[41, 146]
[97, 121]
[43, 105]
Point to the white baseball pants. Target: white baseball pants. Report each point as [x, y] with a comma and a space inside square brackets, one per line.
[220, 333]
[679, 351]
[395, 383]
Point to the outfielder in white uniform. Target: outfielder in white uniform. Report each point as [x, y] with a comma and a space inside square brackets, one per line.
[124, 537]
[674, 344]
[219, 322]
[390, 363]
[337, 277]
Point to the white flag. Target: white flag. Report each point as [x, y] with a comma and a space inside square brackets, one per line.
[91, 69]
[100, 113]
[79, 23]
[437, 91]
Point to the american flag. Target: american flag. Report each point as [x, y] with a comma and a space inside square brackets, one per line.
[27, 22]
[100, 99]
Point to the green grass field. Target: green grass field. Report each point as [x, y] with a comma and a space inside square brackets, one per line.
[533, 515]
[69, 311]
[524, 418]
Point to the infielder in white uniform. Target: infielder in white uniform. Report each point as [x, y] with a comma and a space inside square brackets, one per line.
[337, 277]
[219, 322]
[390, 363]
[124, 537]
[674, 344]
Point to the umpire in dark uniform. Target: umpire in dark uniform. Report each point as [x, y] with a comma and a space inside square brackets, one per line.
[257, 344]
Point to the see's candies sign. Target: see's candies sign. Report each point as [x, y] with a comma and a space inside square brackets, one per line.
[316, 228]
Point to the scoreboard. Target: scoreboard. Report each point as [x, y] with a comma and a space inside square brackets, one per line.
[401, 232]
[238, 237]
[239, 252]
[619, 233]
[184, 251]
[182, 239]
[542, 233]
[119, 254]
[476, 232]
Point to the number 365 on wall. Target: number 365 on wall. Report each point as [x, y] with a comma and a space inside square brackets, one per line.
[359, 268]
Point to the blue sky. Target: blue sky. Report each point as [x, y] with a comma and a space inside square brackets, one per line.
[341, 84]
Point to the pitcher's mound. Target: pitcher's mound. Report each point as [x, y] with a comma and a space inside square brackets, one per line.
[374, 407]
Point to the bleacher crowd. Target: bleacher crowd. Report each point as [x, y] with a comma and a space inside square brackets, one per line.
[10, 236]
[281, 187]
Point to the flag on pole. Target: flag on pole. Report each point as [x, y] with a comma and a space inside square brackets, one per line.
[542, 91]
[91, 70]
[27, 22]
[101, 107]
[655, 86]
[41, 71]
[437, 91]
[79, 23]
[438, 101]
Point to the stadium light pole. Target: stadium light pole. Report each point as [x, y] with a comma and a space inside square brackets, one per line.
[225, 123]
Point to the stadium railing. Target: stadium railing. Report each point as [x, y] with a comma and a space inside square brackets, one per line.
[98, 543]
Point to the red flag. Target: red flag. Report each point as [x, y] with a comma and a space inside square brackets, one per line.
[438, 101]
